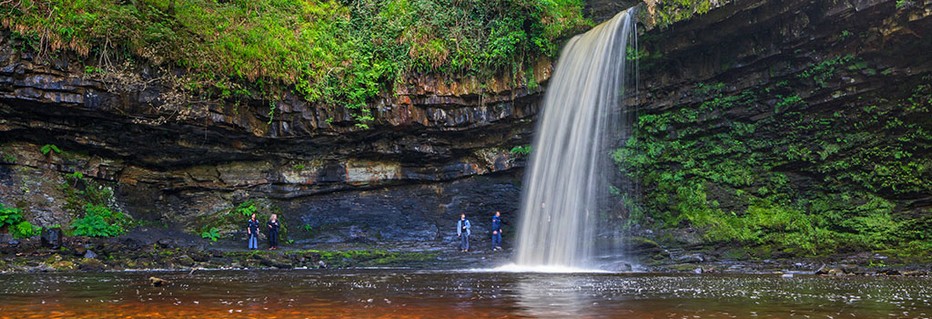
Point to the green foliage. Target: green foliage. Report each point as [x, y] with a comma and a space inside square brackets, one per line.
[521, 150]
[785, 102]
[212, 233]
[845, 34]
[49, 148]
[341, 53]
[669, 12]
[246, 209]
[100, 221]
[90, 204]
[823, 71]
[699, 167]
[19, 227]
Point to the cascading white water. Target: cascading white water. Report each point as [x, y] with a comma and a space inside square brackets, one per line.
[568, 168]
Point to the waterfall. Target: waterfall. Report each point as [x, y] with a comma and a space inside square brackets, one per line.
[569, 168]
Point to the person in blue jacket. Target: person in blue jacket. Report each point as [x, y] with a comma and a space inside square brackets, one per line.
[252, 229]
[462, 231]
[497, 231]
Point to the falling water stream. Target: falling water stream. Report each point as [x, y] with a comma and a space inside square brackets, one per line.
[565, 178]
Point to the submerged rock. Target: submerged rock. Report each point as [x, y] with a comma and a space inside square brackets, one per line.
[157, 282]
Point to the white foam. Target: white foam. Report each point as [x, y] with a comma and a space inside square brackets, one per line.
[514, 268]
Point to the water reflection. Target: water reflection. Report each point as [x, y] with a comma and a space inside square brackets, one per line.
[449, 295]
[559, 297]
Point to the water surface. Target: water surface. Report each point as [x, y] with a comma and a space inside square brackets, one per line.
[415, 294]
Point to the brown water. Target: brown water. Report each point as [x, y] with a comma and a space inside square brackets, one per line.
[413, 294]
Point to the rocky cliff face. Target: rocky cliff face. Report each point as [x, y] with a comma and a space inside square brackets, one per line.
[774, 70]
[801, 127]
[436, 148]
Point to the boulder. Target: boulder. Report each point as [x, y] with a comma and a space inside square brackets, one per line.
[79, 250]
[184, 260]
[166, 243]
[89, 264]
[51, 237]
[90, 255]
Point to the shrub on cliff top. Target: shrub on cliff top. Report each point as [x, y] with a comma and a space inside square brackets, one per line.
[335, 52]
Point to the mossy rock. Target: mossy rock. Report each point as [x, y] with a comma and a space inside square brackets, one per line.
[64, 265]
[90, 264]
[184, 260]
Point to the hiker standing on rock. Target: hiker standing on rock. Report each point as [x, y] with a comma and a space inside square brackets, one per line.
[462, 231]
[273, 232]
[252, 229]
[497, 231]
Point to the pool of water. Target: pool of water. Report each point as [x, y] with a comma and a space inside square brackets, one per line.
[467, 294]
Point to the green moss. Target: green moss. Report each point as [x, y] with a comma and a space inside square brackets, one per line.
[700, 168]
[669, 12]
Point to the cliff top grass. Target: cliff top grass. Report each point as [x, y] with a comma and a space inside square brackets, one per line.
[335, 52]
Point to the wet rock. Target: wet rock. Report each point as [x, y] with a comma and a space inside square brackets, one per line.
[852, 269]
[691, 258]
[51, 237]
[166, 243]
[79, 250]
[200, 256]
[914, 273]
[184, 260]
[64, 265]
[833, 272]
[89, 264]
[157, 282]
[90, 255]
[889, 272]
[13, 243]
[275, 261]
[215, 253]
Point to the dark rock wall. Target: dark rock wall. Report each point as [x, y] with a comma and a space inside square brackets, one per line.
[174, 156]
[811, 111]
[439, 146]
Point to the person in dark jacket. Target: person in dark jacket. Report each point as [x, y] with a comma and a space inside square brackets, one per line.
[274, 226]
[462, 231]
[497, 231]
[252, 229]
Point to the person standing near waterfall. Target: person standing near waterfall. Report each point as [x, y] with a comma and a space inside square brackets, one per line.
[497, 231]
[274, 226]
[462, 232]
[252, 229]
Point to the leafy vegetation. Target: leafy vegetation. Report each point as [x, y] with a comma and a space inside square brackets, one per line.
[91, 204]
[701, 168]
[100, 221]
[12, 218]
[340, 53]
[521, 150]
[213, 234]
[49, 148]
[669, 12]
[232, 220]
